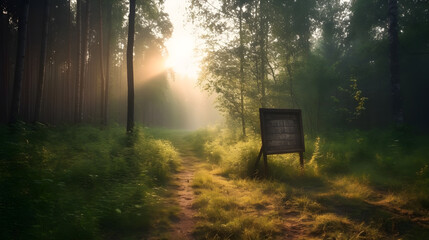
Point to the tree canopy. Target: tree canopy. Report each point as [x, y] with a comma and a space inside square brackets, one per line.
[330, 58]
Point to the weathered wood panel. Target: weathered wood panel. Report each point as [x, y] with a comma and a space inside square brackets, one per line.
[281, 130]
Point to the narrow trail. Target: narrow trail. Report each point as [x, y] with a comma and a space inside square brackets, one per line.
[183, 227]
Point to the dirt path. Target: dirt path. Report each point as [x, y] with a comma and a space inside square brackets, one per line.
[183, 227]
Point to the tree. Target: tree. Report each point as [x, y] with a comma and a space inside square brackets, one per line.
[19, 64]
[83, 58]
[42, 61]
[241, 53]
[109, 35]
[67, 81]
[221, 75]
[102, 79]
[130, 71]
[225, 71]
[78, 58]
[262, 33]
[394, 62]
[69, 90]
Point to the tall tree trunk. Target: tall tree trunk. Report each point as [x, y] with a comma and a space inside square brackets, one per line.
[42, 61]
[109, 33]
[83, 60]
[130, 73]
[394, 63]
[243, 123]
[4, 68]
[78, 60]
[103, 82]
[262, 50]
[19, 64]
[68, 106]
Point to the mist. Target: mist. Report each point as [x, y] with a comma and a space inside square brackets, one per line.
[164, 98]
[198, 106]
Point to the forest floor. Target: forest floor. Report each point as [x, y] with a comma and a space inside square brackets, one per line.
[84, 182]
[210, 205]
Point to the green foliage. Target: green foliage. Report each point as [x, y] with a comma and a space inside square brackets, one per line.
[352, 97]
[80, 182]
[388, 159]
[303, 54]
[238, 157]
[199, 138]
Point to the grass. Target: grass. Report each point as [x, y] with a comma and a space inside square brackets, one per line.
[87, 183]
[230, 210]
[81, 182]
[356, 185]
[331, 226]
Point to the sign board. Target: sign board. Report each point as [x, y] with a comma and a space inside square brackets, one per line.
[281, 131]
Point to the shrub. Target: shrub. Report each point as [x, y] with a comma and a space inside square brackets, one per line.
[80, 182]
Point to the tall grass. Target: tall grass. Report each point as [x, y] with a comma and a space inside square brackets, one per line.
[80, 182]
[356, 184]
[385, 159]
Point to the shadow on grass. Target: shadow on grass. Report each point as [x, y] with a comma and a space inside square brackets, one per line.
[360, 211]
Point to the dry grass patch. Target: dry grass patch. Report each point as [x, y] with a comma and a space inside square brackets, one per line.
[351, 187]
[233, 209]
[203, 179]
[304, 204]
[331, 226]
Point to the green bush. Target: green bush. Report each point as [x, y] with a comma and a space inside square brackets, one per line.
[199, 138]
[80, 182]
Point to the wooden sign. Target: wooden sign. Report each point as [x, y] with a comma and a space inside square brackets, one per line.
[281, 130]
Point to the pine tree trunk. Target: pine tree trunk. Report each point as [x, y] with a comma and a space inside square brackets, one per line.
[19, 64]
[130, 73]
[68, 101]
[262, 51]
[78, 60]
[4, 68]
[109, 33]
[243, 123]
[42, 61]
[103, 82]
[83, 61]
[394, 63]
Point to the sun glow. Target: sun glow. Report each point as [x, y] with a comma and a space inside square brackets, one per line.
[181, 55]
[184, 61]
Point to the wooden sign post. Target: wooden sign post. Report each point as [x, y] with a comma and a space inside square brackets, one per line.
[281, 132]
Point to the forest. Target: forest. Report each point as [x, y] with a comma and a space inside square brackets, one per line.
[115, 126]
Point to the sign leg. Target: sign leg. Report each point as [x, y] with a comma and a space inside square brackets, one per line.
[301, 160]
[259, 157]
[265, 165]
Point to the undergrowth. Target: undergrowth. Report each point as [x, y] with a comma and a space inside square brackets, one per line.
[80, 182]
[386, 159]
[356, 184]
